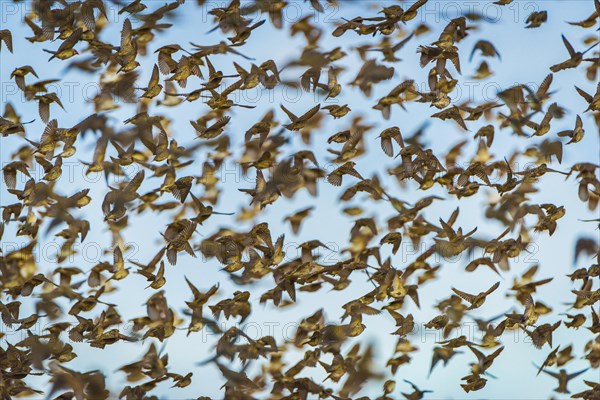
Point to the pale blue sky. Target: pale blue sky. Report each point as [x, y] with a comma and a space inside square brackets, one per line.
[526, 56]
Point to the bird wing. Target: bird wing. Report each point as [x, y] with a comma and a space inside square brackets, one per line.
[491, 289]
[465, 296]
[289, 113]
[135, 183]
[569, 47]
[310, 113]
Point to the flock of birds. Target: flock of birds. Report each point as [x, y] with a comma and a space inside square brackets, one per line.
[71, 32]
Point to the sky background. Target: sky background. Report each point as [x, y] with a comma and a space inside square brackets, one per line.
[526, 57]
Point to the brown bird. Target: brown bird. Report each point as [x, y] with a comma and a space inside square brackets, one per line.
[386, 137]
[134, 7]
[115, 201]
[593, 101]
[487, 49]
[154, 87]
[297, 123]
[563, 378]
[6, 37]
[9, 172]
[177, 236]
[19, 75]
[211, 131]
[337, 111]
[389, 51]
[576, 134]
[529, 316]
[335, 177]
[417, 393]
[536, 19]
[44, 102]
[66, 50]
[476, 301]
[297, 218]
[576, 57]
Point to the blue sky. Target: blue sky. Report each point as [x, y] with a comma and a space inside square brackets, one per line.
[526, 57]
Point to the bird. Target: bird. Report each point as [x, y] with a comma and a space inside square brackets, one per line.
[296, 219]
[336, 176]
[154, 87]
[211, 131]
[576, 134]
[134, 7]
[9, 172]
[19, 75]
[536, 19]
[44, 102]
[476, 301]
[66, 49]
[417, 393]
[563, 378]
[6, 38]
[529, 316]
[386, 137]
[575, 57]
[297, 123]
[337, 111]
[486, 48]
[389, 51]
[592, 100]
[115, 201]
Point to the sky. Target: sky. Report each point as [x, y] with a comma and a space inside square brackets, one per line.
[526, 55]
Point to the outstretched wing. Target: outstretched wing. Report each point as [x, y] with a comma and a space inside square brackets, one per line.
[310, 113]
[465, 296]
